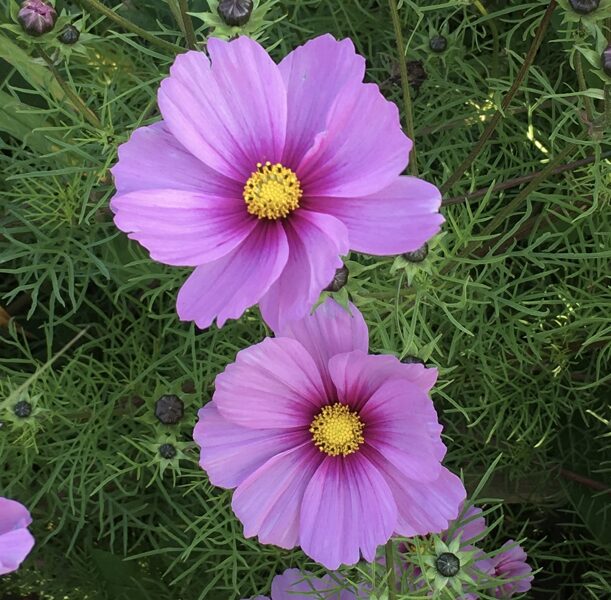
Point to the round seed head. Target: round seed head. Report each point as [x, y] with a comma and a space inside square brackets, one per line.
[438, 44]
[22, 409]
[69, 35]
[584, 7]
[167, 451]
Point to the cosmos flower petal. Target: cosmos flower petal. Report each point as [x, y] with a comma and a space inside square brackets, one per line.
[153, 158]
[313, 75]
[230, 114]
[423, 507]
[15, 540]
[182, 228]
[330, 330]
[348, 509]
[268, 502]
[293, 583]
[399, 218]
[281, 382]
[230, 453]
[399, 418]
[316, 242]
[362, 150]
[225, 288]
[510, 564]
[357, 375]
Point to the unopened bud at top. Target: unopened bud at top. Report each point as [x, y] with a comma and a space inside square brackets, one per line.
[235, 12]
[584, 7]
[36, 17]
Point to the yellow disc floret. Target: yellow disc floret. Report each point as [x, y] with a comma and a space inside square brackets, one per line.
[272, 191]
[337, 430]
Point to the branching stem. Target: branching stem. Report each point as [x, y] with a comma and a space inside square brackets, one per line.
[494, 121]
[389, 555]
[96, 5]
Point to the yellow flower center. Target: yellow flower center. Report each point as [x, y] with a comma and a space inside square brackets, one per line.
[337, 430]
[272, 191]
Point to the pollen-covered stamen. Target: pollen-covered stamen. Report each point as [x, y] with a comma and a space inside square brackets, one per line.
[272, 191]
[337, 430]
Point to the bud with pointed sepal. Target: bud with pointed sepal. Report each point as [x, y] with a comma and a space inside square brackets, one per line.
[417, 256]
[339, 280]
[438, 44]
[37, 17]
[235, 13]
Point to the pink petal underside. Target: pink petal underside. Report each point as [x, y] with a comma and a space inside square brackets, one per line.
[294, 581]
[183, 228]
[330, 330]
[225, 288]
[231, 114]
[347, 509]
[316, 242]
[361, 151]
[269, 502]
[471, 526]
[313, 75]
[399, 218]
[398, 420]
[273, 384]
[14, 547]
[13, 515]
[153, 158]
[423, 507]
[230, 453]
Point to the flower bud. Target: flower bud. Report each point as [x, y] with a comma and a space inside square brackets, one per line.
[410, 359]
[36, 17]
[438, 44]
[169, 409]
[605, 60]
[167, 451]
[584, 7]
[22, 409]
[339, 280]
[417, 256]
[69, 35]
[235, 13]
[447, 564]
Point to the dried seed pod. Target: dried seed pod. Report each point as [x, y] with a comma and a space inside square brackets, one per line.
[169, 409]
[36, 17]
[339, 280]
[447, 564]
[235, 13]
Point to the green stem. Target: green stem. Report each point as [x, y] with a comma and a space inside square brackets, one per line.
[390, 569]
[95, 5]
[75, 99]
[407, 99]
[496, 48]
[582, 86]
[494, 121]
[187, 24]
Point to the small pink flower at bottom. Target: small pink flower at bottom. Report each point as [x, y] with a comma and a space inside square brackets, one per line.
[511, 563]
[261, 175]
[329, 448]
[294, 584]
[15, 539]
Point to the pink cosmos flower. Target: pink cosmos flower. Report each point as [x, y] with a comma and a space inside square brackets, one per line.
[294, 584]
[15, 540]
[261, 175]
[510, 564]
[329, 448]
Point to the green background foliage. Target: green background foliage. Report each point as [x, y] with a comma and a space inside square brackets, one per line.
[512, 303]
